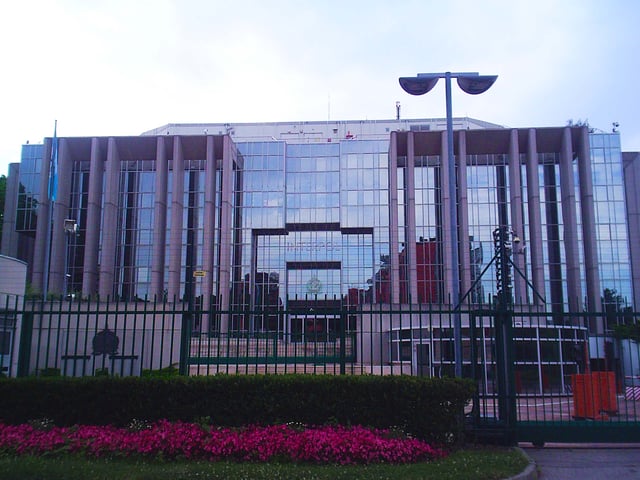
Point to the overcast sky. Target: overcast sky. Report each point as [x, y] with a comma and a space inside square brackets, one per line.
[124, 67]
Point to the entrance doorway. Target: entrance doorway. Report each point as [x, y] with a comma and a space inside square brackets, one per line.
[422, 358]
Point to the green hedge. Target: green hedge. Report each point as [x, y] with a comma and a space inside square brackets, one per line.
[428, 408]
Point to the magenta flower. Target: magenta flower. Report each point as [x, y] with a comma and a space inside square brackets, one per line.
[178, 440]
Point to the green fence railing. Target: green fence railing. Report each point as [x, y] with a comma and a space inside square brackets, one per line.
[534, 370]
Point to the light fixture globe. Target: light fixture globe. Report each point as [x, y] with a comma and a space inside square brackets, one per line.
[476, 84]
[418, 85]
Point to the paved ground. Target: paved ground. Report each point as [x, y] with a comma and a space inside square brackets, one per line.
[586, 462]
[545, 408]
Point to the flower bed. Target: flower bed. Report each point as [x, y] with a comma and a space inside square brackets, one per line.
[177, 440]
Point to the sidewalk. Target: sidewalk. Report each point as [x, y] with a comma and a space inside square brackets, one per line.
[586, 461]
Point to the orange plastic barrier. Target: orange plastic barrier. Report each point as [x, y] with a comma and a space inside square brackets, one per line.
[605, 382]
[594, 395]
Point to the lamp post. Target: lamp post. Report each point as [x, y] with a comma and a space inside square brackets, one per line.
[70, 230]
[505, 240]
[474, 84]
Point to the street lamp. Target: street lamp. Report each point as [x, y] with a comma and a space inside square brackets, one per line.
[504, 241]
[474, 84]
[70, 231]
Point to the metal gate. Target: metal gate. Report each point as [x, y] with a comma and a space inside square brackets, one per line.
[542, 378]
[315, 339]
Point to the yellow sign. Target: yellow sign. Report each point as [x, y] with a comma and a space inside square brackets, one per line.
[199, 273]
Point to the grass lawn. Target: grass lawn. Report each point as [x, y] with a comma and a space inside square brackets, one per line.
[468, 464]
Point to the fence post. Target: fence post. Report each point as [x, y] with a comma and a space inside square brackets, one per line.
[506, 379]
[185, 341]
[24, 345]
[475, 410]
[343, 353]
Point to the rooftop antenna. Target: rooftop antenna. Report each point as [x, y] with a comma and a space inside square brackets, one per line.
[397, 110]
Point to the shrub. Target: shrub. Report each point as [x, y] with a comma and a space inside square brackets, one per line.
[170, 371]
[427, 408]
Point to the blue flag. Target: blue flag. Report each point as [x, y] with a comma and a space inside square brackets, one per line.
[53, 166]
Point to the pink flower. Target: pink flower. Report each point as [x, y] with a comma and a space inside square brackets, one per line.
[172, 440]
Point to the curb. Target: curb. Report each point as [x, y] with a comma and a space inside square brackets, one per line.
[529, 473]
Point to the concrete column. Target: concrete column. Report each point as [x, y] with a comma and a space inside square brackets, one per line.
[226, 231]
[40, 270]
[631, 163]
[587, 209]
[535, 222]
[394, 260]
[410, 219]
[177, 220]
[110, 221]
[446, 223]
[61, 207]
[463, 218]
[515, 199]
[94, 210]
[208, 253]
[10, 237]
[569, 223]
[160, 207]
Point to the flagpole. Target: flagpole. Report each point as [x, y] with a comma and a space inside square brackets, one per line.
[52, 192]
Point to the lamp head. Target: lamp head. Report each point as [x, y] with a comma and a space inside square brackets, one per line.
[418, 85]
[70, 225]
[476, 84]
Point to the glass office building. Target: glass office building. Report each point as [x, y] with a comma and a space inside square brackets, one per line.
[344, 212]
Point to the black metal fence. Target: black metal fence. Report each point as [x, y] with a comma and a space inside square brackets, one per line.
[532, 368]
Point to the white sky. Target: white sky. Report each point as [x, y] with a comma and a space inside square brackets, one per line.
[121, 67]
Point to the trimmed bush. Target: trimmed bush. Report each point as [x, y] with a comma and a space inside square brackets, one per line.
[430, 409]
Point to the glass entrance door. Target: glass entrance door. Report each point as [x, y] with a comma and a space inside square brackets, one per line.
[315, 328]
[313, 281]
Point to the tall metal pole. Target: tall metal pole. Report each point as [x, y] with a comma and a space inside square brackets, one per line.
[65, 289]
[52, 193]
[47, 252]
[472, 83]
[453, 215]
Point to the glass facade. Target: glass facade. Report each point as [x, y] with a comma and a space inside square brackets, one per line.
[29, 189]
[135, 232]
[487, 191]
[364, 219]
[313, 183]
[551, 223]
[310, 213]
[611, 218]
[312, 219]
[314, 241]
[75, 241]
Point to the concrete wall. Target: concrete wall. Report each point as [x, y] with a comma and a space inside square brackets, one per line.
[13, 275]
[65, 340]
[13, 278]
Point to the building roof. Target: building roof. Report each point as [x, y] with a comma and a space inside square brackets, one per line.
[318, 131]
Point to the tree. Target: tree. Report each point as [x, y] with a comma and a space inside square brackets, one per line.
[616, 309]
[580, 123]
